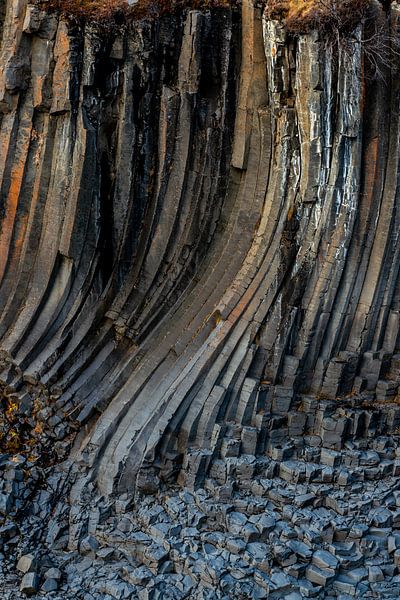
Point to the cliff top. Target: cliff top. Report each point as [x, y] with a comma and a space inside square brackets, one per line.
[99, 10]
[299, 16]
[305, 15]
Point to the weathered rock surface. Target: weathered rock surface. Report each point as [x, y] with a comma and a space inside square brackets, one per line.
[199, 265]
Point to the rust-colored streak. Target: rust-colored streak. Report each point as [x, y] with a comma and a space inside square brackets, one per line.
[10, 213]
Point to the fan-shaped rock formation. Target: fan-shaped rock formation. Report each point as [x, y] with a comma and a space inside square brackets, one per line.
[200, 278]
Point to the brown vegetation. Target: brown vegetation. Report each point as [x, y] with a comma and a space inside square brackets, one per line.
[99, 10]
[336, 21]
[301, 16]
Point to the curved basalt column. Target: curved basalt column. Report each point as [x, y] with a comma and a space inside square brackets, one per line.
[115, 154]
[199, 235]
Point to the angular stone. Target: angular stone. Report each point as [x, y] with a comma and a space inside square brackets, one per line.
[49, 585]
[27, 563]
[6, 503]
[29, 583]
[325, 560]
[53, 573]
[301, 549]
[329, 457]
[88, 546]
[319, 576]
[380, 517]
[375, 574]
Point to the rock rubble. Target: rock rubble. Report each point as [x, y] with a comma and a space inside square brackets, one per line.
[300, 521]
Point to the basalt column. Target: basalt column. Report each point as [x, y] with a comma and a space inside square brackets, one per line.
[199, 242]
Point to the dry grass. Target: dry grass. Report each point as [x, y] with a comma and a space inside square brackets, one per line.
[102, 10]
[301, 16]
[336, 21]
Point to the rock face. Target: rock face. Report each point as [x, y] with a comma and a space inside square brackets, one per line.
[199, 264]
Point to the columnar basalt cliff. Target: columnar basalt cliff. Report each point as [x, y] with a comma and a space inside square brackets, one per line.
[200, 293]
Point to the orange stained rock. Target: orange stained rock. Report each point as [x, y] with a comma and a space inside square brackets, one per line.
[61, 71]
[11, 204]
[371, 164]
[238, 310]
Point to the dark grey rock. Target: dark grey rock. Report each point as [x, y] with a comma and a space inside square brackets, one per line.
[29, 583]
